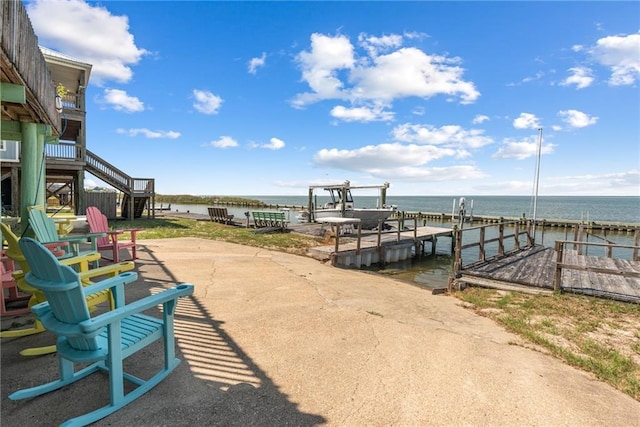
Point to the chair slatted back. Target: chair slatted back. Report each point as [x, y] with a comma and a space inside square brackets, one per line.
[13, 250]
[62, 287]
[44, 227]
[98, 223]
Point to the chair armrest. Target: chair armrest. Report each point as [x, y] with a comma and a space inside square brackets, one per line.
[133, 231]
[81, 237]
[111, 270]
[111, 282]
[90, 326]
[57, 247]
[82, 260]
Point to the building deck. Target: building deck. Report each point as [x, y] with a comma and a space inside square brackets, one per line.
[533, 270]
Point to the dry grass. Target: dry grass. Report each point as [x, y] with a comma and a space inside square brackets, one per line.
[597, 335]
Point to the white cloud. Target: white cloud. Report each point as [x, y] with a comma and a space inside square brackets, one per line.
[224, 142]
[274, 144]
[450, 135]
[121, 101]
[612, 184]
[480, 118]
[254, 63]
[437, 174]
[378, 157]
[320, 65]
[410, 72]
[526, 121]
[332, 70]
[361, 114]
[577, 119]
[88, 33]
[622, 55]
[374, 45]
[580, 76]
[521, 150]
[206, 102]
[151, 134]
[402, 162]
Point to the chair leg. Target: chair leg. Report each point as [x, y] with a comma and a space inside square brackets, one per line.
[66, 377]
[116, 254]
[4, 311]
[39, 351]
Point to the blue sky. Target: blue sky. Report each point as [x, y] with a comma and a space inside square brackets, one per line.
[437, 98]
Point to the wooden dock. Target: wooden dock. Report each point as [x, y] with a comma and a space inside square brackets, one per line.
[538, 269]
[533, 269]
[380, 247]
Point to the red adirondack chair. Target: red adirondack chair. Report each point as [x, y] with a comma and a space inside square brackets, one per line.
[98, 224]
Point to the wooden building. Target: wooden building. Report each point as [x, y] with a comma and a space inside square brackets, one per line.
[44, 117]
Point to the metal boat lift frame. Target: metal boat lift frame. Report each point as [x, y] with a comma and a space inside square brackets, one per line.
[344, 189]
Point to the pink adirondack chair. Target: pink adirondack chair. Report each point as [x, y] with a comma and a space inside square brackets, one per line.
[98, 224]
[7, 267]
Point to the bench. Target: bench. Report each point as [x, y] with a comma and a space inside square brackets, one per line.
[269, 219]
[220, 215]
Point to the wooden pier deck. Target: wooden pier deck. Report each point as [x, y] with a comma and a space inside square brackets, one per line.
[533, 270]
[384, 247]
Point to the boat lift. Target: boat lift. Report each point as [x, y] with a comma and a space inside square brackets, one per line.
[344, 191]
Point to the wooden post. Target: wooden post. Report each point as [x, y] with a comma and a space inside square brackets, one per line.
[458, 255]
[579, 239]
[481, 253]
[557, 278]
[454, 234]
[516, 235]
[337, 232]
[636, 242]
[359, 235]
[501, 239]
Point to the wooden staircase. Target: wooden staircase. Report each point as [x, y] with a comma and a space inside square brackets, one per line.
[140, 190]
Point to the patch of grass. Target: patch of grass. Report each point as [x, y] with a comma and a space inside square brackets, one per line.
[596, 335]
[165, 228]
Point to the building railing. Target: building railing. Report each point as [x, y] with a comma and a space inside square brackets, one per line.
[73, 101]
[64, 151]
[497, 239]
[561, 247]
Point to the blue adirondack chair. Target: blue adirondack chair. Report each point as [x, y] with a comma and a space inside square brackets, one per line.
[46, 231]
[79, 263]
[105, 340]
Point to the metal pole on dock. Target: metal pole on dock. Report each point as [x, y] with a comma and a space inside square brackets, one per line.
[537, 179]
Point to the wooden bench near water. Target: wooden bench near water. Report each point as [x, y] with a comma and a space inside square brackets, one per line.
[269, 219]
[220, 215]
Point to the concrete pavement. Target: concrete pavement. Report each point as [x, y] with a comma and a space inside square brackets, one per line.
[272, 339]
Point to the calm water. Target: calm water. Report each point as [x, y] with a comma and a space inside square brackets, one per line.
[433, 271]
